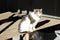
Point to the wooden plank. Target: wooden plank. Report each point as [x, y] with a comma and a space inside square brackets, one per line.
[51, 23]
[13, 29]
[5, 15]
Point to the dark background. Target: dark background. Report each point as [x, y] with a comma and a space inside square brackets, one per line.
[49, 6]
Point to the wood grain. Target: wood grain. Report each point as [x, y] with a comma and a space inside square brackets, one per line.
[13, 29]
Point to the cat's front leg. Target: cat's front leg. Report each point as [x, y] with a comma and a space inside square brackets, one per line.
[30, 28]
[34, 25]
[33, 28]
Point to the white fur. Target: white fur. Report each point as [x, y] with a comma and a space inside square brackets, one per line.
[26, 25]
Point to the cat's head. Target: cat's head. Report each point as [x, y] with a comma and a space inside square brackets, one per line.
[38, 11]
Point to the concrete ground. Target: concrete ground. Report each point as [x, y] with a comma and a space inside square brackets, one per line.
[12, 31]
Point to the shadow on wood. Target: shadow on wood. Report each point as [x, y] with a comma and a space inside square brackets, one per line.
[42, 23]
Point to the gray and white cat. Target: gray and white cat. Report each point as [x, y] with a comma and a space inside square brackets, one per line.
[29, 21]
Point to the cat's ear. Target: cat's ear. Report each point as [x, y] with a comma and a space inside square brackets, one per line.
[36, 10]
[40, 10]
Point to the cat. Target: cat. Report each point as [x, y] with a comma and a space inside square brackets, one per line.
[29, 21]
